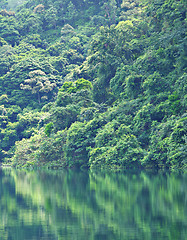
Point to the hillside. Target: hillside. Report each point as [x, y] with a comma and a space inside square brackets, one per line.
[94, 84]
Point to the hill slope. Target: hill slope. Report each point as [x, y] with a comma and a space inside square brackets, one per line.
[94, 84]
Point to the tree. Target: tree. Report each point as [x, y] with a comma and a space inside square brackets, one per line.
[110, 11]
[38, 84]
[8, 27]
[80, 84]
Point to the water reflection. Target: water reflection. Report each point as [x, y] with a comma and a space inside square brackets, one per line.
[92, 206]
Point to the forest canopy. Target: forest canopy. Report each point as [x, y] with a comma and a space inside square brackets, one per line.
[93, 83]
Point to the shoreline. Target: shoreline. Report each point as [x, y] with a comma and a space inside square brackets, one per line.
[159, 170]
[5, 165]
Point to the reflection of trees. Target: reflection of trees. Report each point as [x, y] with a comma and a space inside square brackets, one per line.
[81, 205]
[17, 219]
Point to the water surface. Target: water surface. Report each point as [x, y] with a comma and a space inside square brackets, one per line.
[92, 206]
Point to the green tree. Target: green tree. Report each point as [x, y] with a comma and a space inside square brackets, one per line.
[73, 87]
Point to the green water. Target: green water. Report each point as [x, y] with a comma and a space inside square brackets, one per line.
[92, 206]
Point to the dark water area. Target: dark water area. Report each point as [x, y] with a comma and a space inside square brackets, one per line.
[80, 205]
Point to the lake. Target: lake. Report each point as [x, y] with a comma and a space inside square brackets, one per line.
[77, 205]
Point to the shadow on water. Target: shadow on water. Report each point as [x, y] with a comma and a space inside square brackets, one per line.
[69, 204]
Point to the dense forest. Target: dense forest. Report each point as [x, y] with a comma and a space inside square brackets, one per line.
[93, 83]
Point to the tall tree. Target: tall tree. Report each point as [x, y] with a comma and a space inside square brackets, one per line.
[38, 84]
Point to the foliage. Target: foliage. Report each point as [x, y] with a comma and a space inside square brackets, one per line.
[38, 83]
[115, 147]
[101, 82]
[48, 128]
[78, 85]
